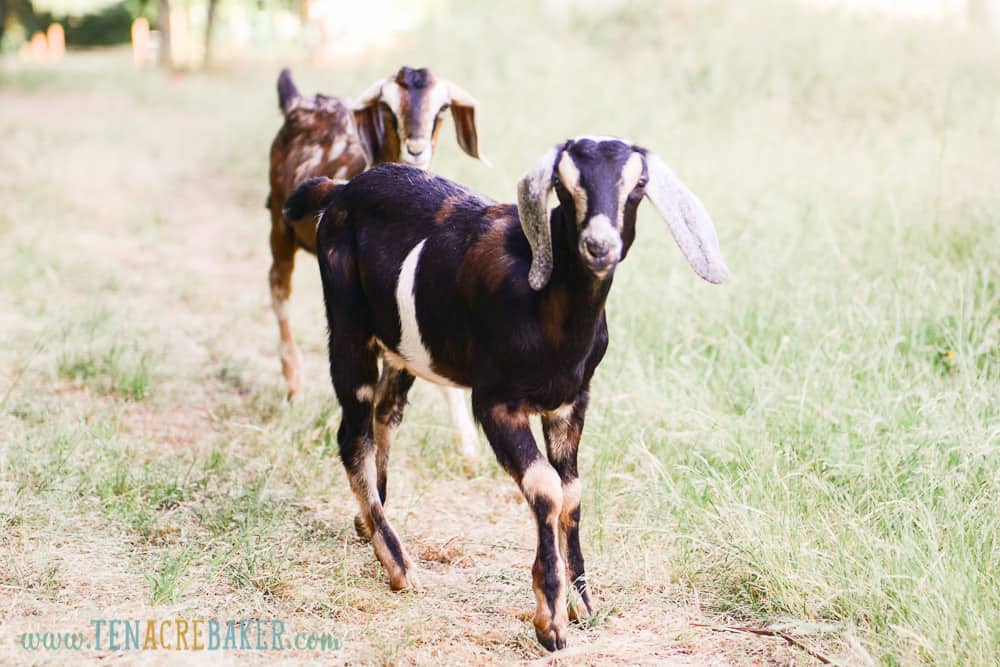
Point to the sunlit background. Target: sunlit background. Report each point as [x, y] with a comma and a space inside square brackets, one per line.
[811, 449]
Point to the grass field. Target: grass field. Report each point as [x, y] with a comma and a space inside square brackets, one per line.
[813, 447]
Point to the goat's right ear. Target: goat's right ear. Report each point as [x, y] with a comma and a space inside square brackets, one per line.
[533, 209]
[310, 198]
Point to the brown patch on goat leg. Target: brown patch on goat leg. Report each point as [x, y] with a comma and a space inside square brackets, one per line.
[509, 416]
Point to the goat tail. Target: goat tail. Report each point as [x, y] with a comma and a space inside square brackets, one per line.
[311, 198]
[288, 94]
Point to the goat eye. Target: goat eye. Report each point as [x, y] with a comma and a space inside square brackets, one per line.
[443, 109]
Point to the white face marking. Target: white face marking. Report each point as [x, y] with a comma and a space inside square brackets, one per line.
[416, 358]
[569, 174]
[365, 393]
[601, 229]
[433, 99]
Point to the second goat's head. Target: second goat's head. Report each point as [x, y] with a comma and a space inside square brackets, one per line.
[398, 118]
[599, 182]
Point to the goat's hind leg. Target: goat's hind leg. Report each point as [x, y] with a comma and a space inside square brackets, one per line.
[354, 371]
[464, 428]
[354, 380]
[390, 400]
[280, 278]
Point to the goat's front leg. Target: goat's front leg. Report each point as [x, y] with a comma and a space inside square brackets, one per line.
[354, 371]
[507, 428]
[562, 429]
[280, 278]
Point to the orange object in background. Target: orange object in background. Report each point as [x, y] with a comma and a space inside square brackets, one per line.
[38, 47]
[140, 41]
[57, 42]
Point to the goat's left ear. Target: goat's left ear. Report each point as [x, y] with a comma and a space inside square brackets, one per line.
[463, 112]
[370, 123]
[688, 220]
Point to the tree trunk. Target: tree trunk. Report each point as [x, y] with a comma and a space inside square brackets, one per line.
[209, 28]
[163, 23]
[3, 18]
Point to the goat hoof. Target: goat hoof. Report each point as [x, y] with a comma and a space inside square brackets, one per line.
[550, 638]
[362, 529]
[403, 581]
[469, 464]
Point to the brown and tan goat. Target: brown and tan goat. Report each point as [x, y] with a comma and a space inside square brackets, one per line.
[396, 120]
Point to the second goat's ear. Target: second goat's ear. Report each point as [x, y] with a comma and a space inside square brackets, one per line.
[463, 112]
[371, 131]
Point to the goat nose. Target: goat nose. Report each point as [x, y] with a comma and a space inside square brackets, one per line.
[597, 248]
[416, 146]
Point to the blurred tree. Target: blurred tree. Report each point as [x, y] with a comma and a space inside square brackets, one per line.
[3, 18]
[163, 23]
[209, 27]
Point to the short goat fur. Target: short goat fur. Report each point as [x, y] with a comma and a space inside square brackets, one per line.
[445, 284]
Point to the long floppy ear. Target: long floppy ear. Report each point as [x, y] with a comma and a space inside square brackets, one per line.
[369, 122]
[688, 220]
[533, 208]
[463, 112]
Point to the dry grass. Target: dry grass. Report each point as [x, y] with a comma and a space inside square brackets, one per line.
[813, 447]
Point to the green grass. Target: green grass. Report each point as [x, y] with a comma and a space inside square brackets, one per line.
[813, 446]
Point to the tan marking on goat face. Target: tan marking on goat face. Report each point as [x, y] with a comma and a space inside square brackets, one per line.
[631, 173]
[569, 174]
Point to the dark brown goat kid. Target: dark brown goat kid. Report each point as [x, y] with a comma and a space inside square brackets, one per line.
[396, 120]
[447, 285]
